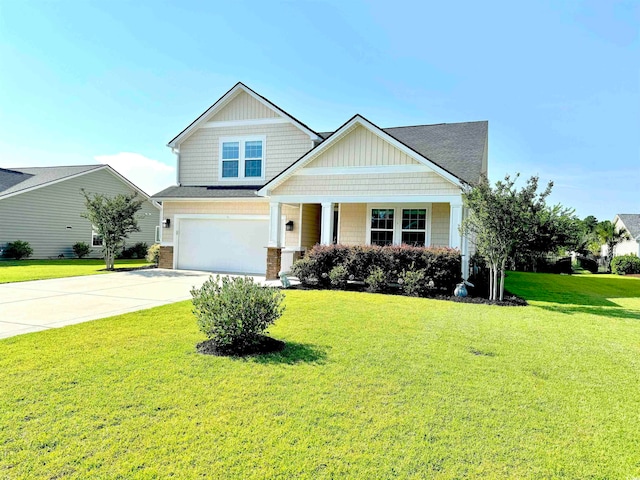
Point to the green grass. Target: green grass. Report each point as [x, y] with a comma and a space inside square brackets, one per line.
[369, 386]
[25, 270]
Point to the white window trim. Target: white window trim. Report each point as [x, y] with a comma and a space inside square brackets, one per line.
[397, 220]
[95, 234]
[241, 160]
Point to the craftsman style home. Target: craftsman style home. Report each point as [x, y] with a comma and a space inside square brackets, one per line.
[256, 187]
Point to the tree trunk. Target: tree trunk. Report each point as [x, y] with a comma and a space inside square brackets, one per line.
[504, 261]
[490, 281]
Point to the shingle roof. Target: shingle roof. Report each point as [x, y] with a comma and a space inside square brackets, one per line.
[456, 147]
[244, 191]
[632, 223]
[15, 180]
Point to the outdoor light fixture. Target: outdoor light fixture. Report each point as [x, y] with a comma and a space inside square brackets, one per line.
[289, 226]
[166, 223]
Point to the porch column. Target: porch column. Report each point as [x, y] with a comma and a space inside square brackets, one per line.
[455, 219]
[274, 249]
[275, 225]
[326, 224]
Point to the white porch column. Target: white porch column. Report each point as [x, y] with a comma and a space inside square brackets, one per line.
[455, 219]
[275, 225]
[326, 224]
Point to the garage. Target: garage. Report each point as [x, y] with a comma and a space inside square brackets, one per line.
[232, 244]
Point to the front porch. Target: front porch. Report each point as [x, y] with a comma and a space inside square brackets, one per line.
[431, 222]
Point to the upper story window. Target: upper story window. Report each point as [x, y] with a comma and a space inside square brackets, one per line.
[242, 158]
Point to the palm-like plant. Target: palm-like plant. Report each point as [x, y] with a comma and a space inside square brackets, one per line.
[610, 236]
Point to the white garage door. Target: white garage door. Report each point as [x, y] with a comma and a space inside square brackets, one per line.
[223, 245]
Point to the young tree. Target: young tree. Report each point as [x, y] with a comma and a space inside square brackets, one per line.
[113, 218]
[500, 219]
[608, 235]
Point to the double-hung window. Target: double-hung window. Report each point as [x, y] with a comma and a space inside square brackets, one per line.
[394, 225]
[96, 238]
[382, 222]
[242, 158]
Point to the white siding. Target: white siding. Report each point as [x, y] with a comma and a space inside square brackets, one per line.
[41, 217]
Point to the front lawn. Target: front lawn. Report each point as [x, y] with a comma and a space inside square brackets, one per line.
[25, 270]
[369, 386]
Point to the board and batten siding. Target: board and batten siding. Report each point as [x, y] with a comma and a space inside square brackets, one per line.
[199, 154]
[416, 183]
[43, 216]
[361, 148]
[243, 107]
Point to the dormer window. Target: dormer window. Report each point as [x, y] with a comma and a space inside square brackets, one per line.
[242, 158]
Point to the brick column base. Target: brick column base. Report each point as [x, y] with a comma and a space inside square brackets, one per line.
[274, 256]
[166, 257]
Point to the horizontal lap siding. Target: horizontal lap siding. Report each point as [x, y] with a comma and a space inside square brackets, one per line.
[353, 224]
[440, 219]
[362, 148]
[199, 154]
[291, 213]
[418, 183]
[41, 216]
[243, 107]
[310, 224]
[227, 208]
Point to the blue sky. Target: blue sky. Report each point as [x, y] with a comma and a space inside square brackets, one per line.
[559, 82]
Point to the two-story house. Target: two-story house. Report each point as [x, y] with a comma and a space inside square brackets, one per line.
[257, 187]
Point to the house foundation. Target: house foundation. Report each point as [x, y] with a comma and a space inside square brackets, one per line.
[166, 257]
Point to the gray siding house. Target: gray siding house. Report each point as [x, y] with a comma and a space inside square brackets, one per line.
[43, 206]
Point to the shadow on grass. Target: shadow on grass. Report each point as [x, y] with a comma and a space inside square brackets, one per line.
[292, 354]
[594, 310]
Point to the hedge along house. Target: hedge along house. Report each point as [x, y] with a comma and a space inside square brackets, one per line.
[43, 206]
[257, 187]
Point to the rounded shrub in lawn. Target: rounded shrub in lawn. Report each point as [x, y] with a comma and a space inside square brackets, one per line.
[234, 313]
[81, 249]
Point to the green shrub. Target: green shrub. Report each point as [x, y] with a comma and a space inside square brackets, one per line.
[305, 270]
[441, 265]
[81, 249]
[625, 264]
[414, 282]
[338, 277]
[139, 250]
[235, 312]
[377, 280]
[153, 253]
[18, 250]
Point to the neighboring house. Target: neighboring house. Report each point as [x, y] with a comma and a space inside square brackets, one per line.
[631, 223]
[42, 205]
[257, 187]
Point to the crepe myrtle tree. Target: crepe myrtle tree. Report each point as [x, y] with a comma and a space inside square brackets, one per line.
[502, 219]
[113, 218]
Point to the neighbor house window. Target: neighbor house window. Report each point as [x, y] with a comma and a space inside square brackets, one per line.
[242, 158]
[96, 239]
[382, 220]
[414, 226]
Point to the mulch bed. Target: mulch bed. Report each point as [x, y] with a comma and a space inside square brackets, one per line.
[264, 345]
[510, 300]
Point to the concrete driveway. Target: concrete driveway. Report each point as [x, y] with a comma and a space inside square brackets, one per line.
[43, 304]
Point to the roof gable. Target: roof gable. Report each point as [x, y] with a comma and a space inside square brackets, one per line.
[343, 132]
[39, 177]
[631, 222]
[254, 104]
